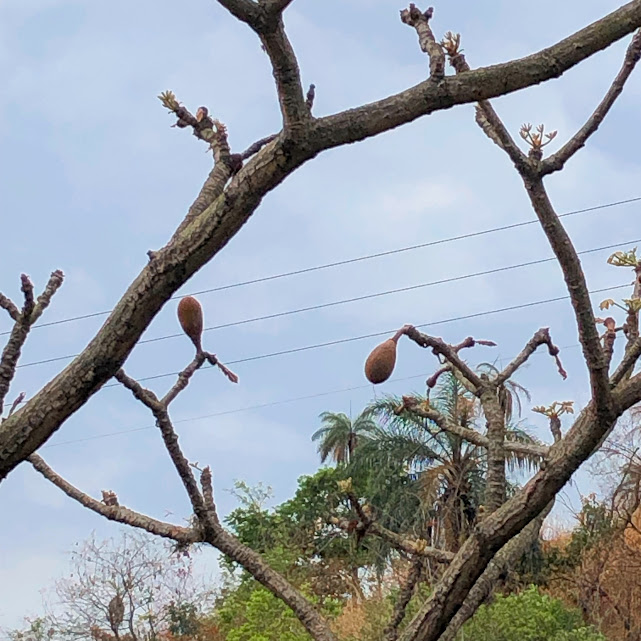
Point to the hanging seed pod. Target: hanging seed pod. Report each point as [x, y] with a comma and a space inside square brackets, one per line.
[380, 363]
[190, 315]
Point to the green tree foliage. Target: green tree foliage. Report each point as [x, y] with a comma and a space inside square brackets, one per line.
[528, 616]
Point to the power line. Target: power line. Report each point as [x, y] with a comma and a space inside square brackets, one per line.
[247, 408]
[351, 300]
[352, 339]
[357, 259]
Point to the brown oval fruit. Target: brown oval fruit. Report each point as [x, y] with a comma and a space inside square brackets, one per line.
[190, 315]
[380, 363]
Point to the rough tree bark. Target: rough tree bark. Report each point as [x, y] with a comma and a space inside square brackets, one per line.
[229, 197]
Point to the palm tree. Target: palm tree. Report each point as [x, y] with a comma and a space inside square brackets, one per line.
[339, 436]
[449, 472]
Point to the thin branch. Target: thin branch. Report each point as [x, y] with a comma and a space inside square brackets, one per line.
[25, 318]
[309, 98]
[170, 438]
[142, 394]
[417, 547]
[183, 379]
[206, 483]
[390, 633]
[556, 161]
[116, 513]
[254, 148]
[214, 362]
[53, 285]
[8, 305]
[609, 338]
[487, 119]
[626, 366]
[449, 352]
[420, 20]
[541, 337]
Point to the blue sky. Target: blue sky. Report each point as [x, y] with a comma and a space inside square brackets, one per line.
[92, 176]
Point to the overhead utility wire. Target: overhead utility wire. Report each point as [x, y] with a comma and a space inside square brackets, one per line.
[349, 261]
[352, 339]
[249, 408]
[350, 300]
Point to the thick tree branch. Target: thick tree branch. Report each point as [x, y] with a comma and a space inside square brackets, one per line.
[541, 337]
[499, 566]
[402, 601]
[116, 513]
[276, 5]
[577, 287]
[626, 366]
[251, 561]
[489, 82]
[556, 161]
[172, 266]
[245, 10]
[293, 106]
[498, 528]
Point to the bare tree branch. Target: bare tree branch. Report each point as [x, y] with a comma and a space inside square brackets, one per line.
[172, 266]
[420, 20]
[632, 354]
[8, 305]
[183, 379]
[500, 566]
[541, 337]
[448, 352]
[498, 528]
[402, 601]
[254, 148]
[170, 438]
[116, 512]
[556, 161]
[495, 478]
[24, 320]
[486, 117]
[490, 82]
[577, 287]
[296, 113]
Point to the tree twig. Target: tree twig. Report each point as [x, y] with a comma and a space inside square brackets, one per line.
[541, 337]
